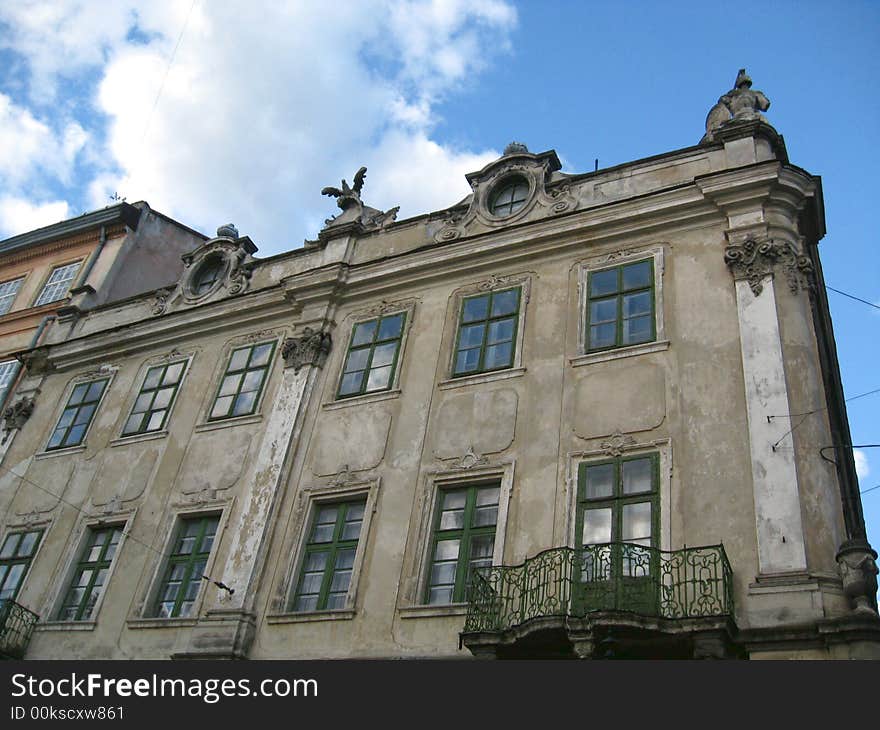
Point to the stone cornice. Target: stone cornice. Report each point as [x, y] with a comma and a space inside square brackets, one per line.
[45, 249]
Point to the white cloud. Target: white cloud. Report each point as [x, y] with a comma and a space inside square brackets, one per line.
[265, 103]
[19, 216]
[862, 467]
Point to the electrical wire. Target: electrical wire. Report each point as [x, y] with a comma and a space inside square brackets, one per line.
[129, 535]
[858, 299]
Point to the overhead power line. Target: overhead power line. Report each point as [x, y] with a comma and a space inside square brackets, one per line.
[858, 299]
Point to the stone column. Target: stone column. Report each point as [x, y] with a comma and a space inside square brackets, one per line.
[228, 628]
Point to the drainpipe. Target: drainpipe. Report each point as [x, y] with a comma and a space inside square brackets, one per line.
[35, 340]
[90, 262]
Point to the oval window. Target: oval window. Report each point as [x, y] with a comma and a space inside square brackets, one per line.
[510, 197]
[207, 275]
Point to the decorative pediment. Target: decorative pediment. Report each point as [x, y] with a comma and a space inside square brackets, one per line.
[219, 268]
[516, 186]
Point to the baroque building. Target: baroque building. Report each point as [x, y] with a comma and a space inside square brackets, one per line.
[551, 420]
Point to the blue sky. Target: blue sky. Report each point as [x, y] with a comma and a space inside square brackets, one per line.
[265, 103]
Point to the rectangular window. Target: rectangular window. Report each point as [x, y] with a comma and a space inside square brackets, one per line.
[8, 371]
[8, 292]
[15, 558]
[325, 574]
[463, 540]
[77, 414]
[90, 575]
[620, 306]
[57, 284]
[372, 355]
[151, 408]
[487, 332]
[243, 381]
[186, 566]
[617, 503]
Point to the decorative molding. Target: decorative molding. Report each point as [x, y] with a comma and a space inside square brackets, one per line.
[160, 303]
[753, 260]
[310, 348]
[616, 444]
[470, 460]
[16, 415]
[36, 362]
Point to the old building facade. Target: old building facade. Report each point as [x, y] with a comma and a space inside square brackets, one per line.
[552, 420]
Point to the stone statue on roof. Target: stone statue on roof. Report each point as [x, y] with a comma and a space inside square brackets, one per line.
[738, 104]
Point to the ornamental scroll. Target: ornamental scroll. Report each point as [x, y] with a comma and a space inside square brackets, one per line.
[310, 348]
[753, 261]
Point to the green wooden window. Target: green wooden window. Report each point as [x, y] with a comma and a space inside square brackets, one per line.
[487, 332]
[325, 573]
[15, 558]
[620, 306]
[90, 575]
[77, 415]
[617, 502]
[372, 355]
[150, 410]
[186, 566]
[463, 539]
[243, 381]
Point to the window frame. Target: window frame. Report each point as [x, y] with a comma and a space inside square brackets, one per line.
[79, 563]
[456, 313]
[10, 297]
[508, 182]
[396, 362]
[618, 295]
[78, 263]
[72, 388]
[464, 536]
[169, 409]
[597, 264]
[26, 561]
[171, 558]
[224, 373]
[6, 390]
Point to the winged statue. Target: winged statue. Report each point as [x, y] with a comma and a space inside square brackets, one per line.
[346, 195]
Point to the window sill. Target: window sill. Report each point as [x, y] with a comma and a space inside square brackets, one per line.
[66, 626]
[161, 623]
[448, 609]
[138, 437]
[341, 614]
[620, 352]
[61, 452]
[481, 378]
[228, 422]
[361, 399]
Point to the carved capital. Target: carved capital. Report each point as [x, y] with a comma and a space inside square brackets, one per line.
[858, 571]
[310, 348]
[753, 260]
[16, 415]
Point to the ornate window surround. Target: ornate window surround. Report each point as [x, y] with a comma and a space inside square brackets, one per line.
[330, 400]
[466, 473]
[453, 317]
[606, 261]
[309, 497]
[612, 447]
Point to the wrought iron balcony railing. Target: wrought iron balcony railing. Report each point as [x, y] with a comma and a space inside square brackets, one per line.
[16, 627]
[687, 583]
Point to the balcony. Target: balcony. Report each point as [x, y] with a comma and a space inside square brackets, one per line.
[16, 626]
[614, 600]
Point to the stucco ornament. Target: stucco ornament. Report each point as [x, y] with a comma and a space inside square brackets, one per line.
[17, 415]
[616, 444]
[348, 198]
[753, 260]
[858, 569]
[310, 348]
[738, 104]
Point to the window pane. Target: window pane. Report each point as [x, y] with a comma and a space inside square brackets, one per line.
[597, 526]
[603, 335]
[603, 282]
[467, 361]
[637, 275]
[239, 359]
[142, 403]
[351, 383]
[253, 380]
[384, 354]
[500, 331]
[154, 375]
[636, 521]
[635, 304]
[28, 544]
[55, 441]
[9, 545]
[603, 310]
[221, 407]
[260, 355]
[173, 373]
[505, 302]
[79, 392]
[245, 403]
[499, 356]
[84, 415]
[379, 379]
[95, 390]
[163, 398]
[440, 596]
[230, 384]
[75, 436]
[363, 333]
[637, 476]
[475, 308]
[636, 330]
[471, 336]
[156, 421]
[390, 327]
[357, 359]
[446, 550]
[599, 481]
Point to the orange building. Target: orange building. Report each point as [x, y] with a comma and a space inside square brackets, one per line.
[52, 273]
